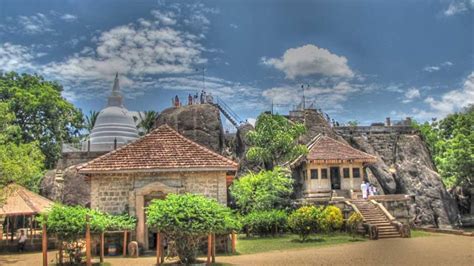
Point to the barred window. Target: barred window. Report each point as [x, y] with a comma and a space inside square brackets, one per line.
[324, 173]
[346, 172]
[355, 172]
[314, 173]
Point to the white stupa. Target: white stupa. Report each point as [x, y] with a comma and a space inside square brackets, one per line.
[114, 126]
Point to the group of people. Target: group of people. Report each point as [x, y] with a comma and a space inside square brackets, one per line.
[367, 189]
[197, 98]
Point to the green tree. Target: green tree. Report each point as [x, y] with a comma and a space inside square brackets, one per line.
[186, 218]
[268, 189]
[90, 120]
[275, 140]
[41, 113]
[147, 121]
[353, 123]
[451, 143]
[20, 163]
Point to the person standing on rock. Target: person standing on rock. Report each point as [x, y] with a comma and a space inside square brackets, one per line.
[363, 188]
[176, 101]
[190, 99]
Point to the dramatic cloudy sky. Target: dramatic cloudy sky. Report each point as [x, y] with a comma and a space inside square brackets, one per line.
[360, 60]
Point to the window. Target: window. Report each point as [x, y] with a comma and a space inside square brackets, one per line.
[324, 173]
[355, 172]
[314, 173]
[346, 173]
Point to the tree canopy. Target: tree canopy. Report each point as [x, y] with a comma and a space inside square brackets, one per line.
[40, 112]
[263, 191]
[147, 121]
[20, 163]
[451, 143]
[275, 140]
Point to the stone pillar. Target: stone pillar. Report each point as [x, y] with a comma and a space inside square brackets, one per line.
[388, 122]
[2, 219]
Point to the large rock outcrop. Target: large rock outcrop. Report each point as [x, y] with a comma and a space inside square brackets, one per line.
[201, 123]
[405, 167]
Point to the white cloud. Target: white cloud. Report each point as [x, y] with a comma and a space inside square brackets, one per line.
[166, 18]
[234, 26]
[69, 17]
[34, 24]
[309, 60]
[458, 7]
[15, 57]
[411, 94]
[453, 100]
[328, 97]
[438, 67]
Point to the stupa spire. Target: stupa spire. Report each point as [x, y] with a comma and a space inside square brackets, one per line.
[116, 99]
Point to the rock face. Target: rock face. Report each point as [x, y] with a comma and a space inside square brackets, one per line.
[315, 124]
[405, 167]
[201, 123]
[66, 186]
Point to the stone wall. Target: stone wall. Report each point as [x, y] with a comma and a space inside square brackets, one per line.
[115, 193]
[399, 206]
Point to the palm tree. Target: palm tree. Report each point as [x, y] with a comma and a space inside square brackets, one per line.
[147, 121]
[90, 120]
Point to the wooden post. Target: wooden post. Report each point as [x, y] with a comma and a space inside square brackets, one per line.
[8, 227]
[209, 248]
[125, 243]
[88, 243]
[213, 248]
[60, 252]
[44, 244]
[102, 245]
[158, 248]
[234, 240]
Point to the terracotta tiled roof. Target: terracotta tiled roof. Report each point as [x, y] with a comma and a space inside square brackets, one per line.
[324, 148]
[163, 149]
[21, 201]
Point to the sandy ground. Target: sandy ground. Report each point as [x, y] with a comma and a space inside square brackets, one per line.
[435, 250]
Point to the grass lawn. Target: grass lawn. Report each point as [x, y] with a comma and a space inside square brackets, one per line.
[262, 244]
[419, 233]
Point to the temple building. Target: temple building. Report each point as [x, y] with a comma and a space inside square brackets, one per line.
[162, 162]
[330, 169]
[114, 126]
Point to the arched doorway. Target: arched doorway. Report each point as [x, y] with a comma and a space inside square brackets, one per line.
[142, 196]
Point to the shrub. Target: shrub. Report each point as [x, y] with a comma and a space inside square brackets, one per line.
[68, 224]
[331, 219]
[353, 223]
[265, 222]
[263, 191]
[304, 221]
[186, 218]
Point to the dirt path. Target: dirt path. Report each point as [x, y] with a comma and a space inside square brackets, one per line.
[435, 250]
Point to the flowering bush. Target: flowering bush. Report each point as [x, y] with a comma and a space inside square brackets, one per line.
[304, 221]
[264, 222]
[331, 219]
[353, 223]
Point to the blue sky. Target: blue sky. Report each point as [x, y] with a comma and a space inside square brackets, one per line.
[361, 60]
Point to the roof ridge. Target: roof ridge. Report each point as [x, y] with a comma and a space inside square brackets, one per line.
[347, 145]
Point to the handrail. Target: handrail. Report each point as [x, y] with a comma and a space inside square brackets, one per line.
[381, 207]
[228, 112]
[355, 209]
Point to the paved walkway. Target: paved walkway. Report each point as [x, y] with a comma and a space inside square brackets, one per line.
[434, 250]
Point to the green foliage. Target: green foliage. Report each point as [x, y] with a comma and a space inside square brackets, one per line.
[90, 120]
[265, 190]
[304, 221]
[353, 223]
[41, 112]
[353, 123]
[185, 218]
[451, 143]
[20, 163]
[147, 121]
[264, 223]
[68, 224]
[274, 140]
[331, 219]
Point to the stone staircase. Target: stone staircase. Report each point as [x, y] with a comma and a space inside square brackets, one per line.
[375, 216]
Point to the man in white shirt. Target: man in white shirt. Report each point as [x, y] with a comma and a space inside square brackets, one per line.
[363, 188]
[22, 241]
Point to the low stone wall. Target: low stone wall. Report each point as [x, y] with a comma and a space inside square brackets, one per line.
[398, 206]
